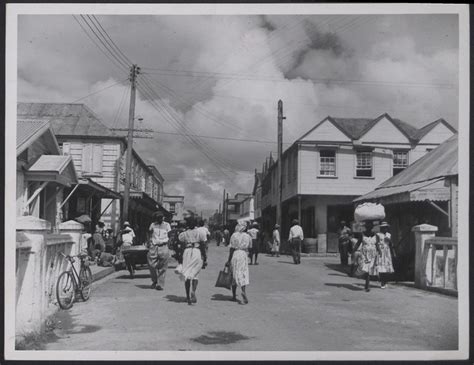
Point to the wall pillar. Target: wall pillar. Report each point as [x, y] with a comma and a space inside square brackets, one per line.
[422, 233]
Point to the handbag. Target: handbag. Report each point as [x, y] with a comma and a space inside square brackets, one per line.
[224, 280]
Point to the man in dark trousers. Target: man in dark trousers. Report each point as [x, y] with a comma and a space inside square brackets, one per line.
[344, 243]
[295, 238]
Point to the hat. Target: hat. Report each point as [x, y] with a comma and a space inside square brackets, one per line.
[295, 221]
[126, 223]
[254, 224]
[277, 226]
[384, 224]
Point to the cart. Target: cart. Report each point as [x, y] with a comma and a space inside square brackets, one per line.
[135, 255]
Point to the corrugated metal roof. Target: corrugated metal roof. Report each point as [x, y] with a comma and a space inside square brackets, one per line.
[435, 165]
[27, 128]
[50, 163]
[353, 127]
[394, 190]
[441, 162]
[67, 119]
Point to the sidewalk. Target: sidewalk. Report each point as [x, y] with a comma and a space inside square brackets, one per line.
[99, 272]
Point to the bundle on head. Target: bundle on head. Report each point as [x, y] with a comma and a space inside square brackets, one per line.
[369, 212]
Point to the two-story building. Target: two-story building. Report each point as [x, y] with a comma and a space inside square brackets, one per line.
[99, 159]
[336, 161]
[175, 205]
[247, 212]
[232, 208]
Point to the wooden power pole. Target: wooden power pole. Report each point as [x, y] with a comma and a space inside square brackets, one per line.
[134, 70]
[279, 166]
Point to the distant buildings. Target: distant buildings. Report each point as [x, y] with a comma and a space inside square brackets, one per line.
[175, 205]
[335, 162]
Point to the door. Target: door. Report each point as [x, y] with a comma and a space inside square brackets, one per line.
[336, 214]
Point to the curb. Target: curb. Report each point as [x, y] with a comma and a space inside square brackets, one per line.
[102, 273]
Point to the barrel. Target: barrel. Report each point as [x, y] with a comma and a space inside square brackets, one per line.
[310, 245]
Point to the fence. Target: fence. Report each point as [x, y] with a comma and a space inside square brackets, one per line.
[38, 265]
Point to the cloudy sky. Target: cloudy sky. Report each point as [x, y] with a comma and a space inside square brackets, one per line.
[221, 76]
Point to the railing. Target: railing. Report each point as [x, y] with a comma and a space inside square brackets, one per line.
[440, 262]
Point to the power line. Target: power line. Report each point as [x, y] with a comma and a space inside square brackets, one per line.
[222, 138]
[98, 91]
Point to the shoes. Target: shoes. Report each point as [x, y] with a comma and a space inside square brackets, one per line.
[234, 299]
[256, 263]
[244, 297]
[367, 290]
[250, 263]
[189, 302]
[158, 287]
[193, 298]
[383, 286]
[153, 286]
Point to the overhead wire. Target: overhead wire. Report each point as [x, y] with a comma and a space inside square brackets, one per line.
[98, 91]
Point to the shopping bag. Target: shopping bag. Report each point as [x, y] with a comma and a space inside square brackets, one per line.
[224, 280]
[179, 269]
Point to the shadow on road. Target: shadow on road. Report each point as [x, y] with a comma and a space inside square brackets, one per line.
[334, 274]
[144, 286]
[176, 299]
[220, 338]
[337, 267]
[222, 297]
[345, 286]
[286, 262]
[136, 276]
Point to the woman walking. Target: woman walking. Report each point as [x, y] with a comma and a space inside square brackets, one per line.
[366, 257]
[276, 241]
[192, 240]
[238, 261]
[384, 259]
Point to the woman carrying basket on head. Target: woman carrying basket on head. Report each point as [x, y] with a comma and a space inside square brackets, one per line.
[238, 261]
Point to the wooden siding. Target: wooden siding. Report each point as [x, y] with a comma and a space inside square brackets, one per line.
[326, 131]
[437, 135]
[110, 154]
[345, 183]
[384, 132]
[419, 151]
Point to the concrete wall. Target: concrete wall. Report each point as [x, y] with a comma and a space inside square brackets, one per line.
[38, 265]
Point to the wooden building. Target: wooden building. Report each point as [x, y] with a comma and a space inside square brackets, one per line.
[336, 161]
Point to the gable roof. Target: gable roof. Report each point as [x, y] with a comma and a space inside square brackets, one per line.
[27, 131]
[67, 119]
[423, 131]
[353, 127]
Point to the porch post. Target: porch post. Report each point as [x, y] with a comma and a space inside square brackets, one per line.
[299, 208]
[422, 233]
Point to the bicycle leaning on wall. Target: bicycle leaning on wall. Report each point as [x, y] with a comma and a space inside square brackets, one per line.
[70, 283]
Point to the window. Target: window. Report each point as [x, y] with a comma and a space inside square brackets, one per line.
[295, 166]
[400, 161]
[92, 159]
[364, 164]
[173, 208]
[327, 163]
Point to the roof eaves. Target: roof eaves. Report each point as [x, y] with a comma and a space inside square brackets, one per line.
[36, 134]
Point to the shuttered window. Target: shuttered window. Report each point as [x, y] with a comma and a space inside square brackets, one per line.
[92, 159]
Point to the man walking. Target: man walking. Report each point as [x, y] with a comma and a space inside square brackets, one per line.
[254, 234]
[295, 237]
[158, 252]
[344, 243]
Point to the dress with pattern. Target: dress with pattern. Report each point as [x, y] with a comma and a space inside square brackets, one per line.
[192, 260]
[369, 254]
[239, 264]
[384, 258]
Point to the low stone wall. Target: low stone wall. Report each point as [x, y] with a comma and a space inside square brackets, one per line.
[38, 265]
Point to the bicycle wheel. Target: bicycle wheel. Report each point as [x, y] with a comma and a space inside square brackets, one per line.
[65, 290]
[85, 277]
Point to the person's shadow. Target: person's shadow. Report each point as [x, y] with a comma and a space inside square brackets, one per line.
[221, 297]
[345, 286]
[176, 299]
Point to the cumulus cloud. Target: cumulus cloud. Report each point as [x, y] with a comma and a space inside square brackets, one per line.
[222, 76]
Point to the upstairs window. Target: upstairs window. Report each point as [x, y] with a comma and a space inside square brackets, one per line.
[364, 164]
[92, 159]
[172, 207]
[400, 161]
[327, 163]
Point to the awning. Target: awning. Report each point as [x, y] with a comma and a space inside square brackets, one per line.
[53, 168]
[148, 202]
[100, 190]
[433, 190]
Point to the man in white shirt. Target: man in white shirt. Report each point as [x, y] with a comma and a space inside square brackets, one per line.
[158, 252]
[205, 232]
[295, 238]
[254, 234]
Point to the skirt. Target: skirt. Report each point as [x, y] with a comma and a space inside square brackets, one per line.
[384, 260]
[240, 268]
[192, 264]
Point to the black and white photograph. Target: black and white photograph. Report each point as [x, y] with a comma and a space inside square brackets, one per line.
[237, 181]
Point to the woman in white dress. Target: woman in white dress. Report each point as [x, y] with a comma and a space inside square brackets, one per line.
[192, 239]
[238, 261]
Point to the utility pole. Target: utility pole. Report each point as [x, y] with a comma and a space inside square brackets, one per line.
[279, 166]
[134, 70]
[223, 208]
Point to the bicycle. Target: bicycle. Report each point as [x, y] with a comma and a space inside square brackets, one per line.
[70, 282]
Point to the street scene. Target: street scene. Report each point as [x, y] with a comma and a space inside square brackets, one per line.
[248, 182]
